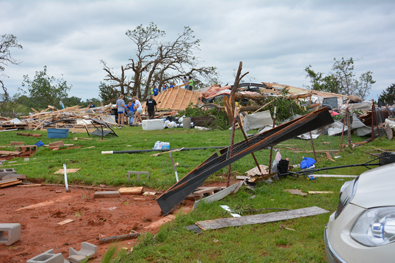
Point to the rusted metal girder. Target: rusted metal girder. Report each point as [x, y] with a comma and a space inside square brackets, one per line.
[195, 178]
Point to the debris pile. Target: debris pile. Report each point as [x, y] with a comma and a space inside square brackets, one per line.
[71, 117]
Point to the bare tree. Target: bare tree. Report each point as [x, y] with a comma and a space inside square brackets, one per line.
[159, 62]
[146, 52]
[7, 41]
[123, 82]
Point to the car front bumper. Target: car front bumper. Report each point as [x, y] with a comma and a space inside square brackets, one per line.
[331, 255]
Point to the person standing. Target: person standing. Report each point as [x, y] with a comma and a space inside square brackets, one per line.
[171, 86]
[91, 105]
[139, 109]
[121, 110]
[155, 91]
[185, 81]
[150, 106]
[190, 83]
[164, 87]
[131, 110]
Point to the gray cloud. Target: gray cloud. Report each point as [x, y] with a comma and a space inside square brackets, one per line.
[275, 40]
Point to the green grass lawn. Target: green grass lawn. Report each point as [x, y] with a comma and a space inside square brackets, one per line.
[255, 243]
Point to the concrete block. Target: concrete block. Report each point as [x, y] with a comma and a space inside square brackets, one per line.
[87, 251]
[48, 257]
[14, 176]
[107, 194]
[10, 233]
[4, 172]
[138, 174]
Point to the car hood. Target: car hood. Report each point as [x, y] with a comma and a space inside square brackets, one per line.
[376, 187]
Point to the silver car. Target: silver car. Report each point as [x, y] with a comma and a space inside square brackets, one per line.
[363, 227]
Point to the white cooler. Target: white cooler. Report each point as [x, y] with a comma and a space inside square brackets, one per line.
[153, 125]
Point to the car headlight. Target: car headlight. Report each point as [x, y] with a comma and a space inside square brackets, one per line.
[375, 227]
[347, 193]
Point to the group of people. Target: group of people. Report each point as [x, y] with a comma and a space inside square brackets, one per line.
[187, 81]
[134, 109]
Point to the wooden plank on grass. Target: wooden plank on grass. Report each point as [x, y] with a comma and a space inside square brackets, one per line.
[9, 153]
[61, 171]
[320, 192]
[261, 218]
[131, 190]
[65, 222]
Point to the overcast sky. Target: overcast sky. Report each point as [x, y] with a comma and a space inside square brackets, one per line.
[276, 40]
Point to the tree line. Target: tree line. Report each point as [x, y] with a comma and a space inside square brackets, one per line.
[155, 62]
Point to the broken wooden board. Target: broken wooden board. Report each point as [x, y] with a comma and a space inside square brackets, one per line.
[9, 183]
[160, 222]
[261, 218]
[329, 156]
[320, 192]
[16, 143]
[219, 195]
[295, 192]
[131, 190]
[65, 222]
[69, 171]
[9, 152]
[29, 185]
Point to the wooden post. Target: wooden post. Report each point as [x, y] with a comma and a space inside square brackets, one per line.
[349, 128]
[271, 148]
[344, 124]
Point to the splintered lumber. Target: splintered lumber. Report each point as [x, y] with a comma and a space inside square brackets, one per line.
[29, 185]
[9, 152]
[107, 194]
[320, 192]
[261, 218]
[295, 192]
[65, 222]
[28, 134]
[58, 144]
[17, 143]
[9, 183]
[131, 190]
[61, 171]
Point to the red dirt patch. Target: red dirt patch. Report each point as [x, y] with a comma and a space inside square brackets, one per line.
[92, 217]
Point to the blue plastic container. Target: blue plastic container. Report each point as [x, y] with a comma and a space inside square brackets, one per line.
[57, 133]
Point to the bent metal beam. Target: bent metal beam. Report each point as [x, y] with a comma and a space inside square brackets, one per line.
[195, 178]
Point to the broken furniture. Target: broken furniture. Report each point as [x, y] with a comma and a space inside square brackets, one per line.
[102, 128]
[13, 233]
[87, 251]
[179, 191]
[138, 174]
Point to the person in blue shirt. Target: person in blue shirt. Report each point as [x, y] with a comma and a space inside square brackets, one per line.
[171, 85]
[130, 109]
[155, 91]
[91, 105]
[164, 87]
